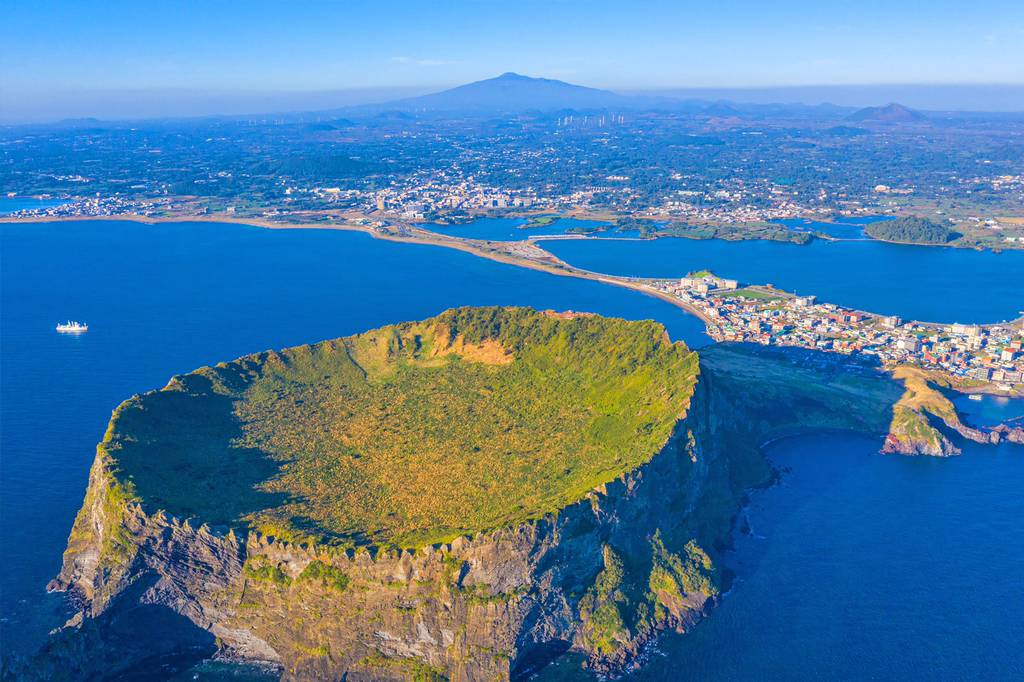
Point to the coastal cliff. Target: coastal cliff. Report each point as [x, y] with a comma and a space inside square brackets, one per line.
[925, 420]
[600, 576]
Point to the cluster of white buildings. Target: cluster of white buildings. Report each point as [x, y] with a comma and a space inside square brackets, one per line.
[92, 206]
[690, 212]
[416, 200]
[439, 192]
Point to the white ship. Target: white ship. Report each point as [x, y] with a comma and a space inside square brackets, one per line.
[72, 327]
[974, 396]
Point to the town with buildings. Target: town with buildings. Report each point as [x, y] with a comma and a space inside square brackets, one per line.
[445, 195]
[683, 174]
[423, 198]
[991, 354]
[689, 172]
[86, 207]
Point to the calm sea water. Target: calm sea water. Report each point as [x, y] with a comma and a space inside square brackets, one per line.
[165, 299]
[843, 228]
[510, 229]
[990, 410]
[12, 204]
[867, 567]
[926, 283]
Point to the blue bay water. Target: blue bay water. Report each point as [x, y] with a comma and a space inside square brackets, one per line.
[866, 567]
[841, 228]
[165, 299]
[11, 204]
[510, 229]
[927, 283]
[990, 410]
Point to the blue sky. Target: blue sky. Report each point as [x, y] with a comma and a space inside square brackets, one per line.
[50, 50]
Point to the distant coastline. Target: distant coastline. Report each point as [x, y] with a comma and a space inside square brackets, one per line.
[773, 230]
[491, 250]
[510, 253]
[525, 254]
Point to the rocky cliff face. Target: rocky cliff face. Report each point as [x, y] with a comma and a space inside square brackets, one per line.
[601, 577]
[912, 433]
[925, 420]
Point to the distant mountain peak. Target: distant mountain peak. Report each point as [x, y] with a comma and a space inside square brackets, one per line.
[721, 108]
[512, 92]
[890, 113]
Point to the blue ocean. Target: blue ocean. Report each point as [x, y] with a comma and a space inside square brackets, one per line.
[515, 229]
[862, 566]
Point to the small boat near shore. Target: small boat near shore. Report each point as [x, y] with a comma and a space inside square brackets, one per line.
[72, 327]
[975, 396]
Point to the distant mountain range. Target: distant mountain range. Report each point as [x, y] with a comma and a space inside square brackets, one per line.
[516, 94]
[513, 93]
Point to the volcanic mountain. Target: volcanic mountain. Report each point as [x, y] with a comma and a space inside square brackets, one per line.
[511, 92]
[890, 113]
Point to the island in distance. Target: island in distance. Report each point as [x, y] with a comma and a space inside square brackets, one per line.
[467, 498]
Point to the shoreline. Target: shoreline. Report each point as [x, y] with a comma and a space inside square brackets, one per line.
[416, 235]
[497, 251]
[527, 215]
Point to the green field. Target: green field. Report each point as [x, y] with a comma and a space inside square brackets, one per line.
[410, 434]
[758, 294]
[541, 221]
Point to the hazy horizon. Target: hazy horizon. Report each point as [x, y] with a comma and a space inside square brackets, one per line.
[128, 105]
[121, 59]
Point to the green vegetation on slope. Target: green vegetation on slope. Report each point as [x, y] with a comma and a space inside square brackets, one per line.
[410, 434]
[674, 578]
[911, 427]
[789, 390]
[912, 230]
[603, 627]
[635, 596]
[413, 668]
[921, 396]
[766, 231]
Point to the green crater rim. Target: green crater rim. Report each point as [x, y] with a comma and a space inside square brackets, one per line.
[407, 435]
